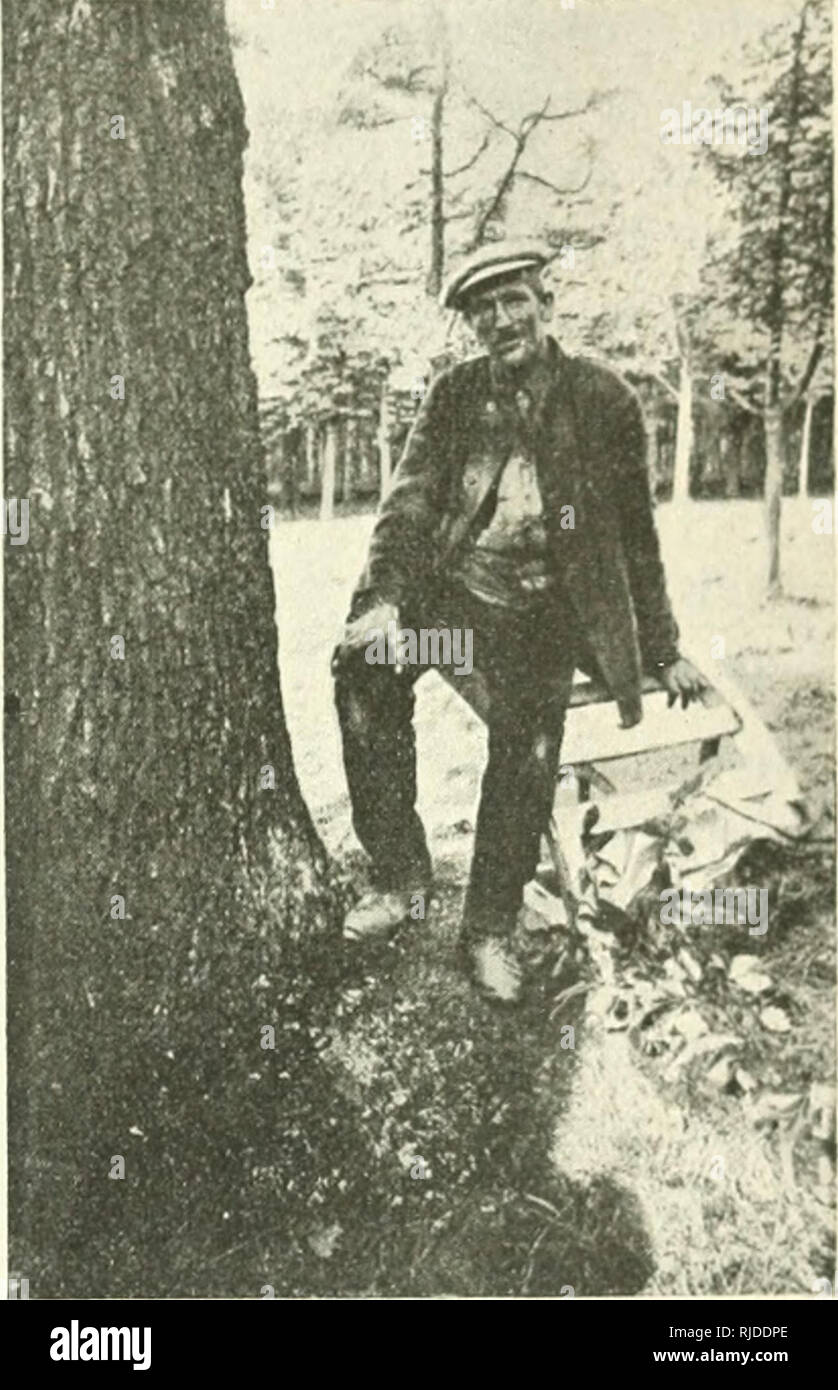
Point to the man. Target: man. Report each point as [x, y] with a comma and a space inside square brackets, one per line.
[520, 511]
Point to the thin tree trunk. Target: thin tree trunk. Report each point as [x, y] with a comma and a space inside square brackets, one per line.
[805, 448]
[351, 462]
[709, 452]
[329, 469]
[142, 698]
[437, 220]
[683, 436]
[730, 446]
[384, 450]
[367, 476]
[653, 417]
[773, 415]
[436, 271]
[774, 461]
[290, 471]
[312, 445]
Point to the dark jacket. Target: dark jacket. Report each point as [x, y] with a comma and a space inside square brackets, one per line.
[590, 453]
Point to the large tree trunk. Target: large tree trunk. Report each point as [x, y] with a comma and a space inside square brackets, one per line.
[147, 754]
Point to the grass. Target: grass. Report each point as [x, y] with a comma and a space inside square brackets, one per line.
[634, 1205]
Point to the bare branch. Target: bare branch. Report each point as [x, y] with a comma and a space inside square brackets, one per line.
[740, 400]
[490, 116]
[362, 121]
[450, 173]
[406, 279]
[527, 125]
[811, 366]
[502, 189]
[594, 100]
[529, 122]
[554, 187]
[662, 381]
[505, 182]
[413, 74]
[407, 83]
[375, 123]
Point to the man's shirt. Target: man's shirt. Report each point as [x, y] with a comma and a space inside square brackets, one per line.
[506, 564]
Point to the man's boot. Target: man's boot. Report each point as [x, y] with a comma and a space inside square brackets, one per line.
[485, 949]
[494, 969]
[378, 914]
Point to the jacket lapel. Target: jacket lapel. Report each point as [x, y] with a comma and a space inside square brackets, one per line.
[563, 476]
[488, 429]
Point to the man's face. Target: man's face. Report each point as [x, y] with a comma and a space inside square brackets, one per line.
[509, 320]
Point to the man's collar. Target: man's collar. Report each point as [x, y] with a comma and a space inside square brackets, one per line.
[537, 381]
[540, 386]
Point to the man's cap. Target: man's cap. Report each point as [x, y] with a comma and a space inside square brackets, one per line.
[490, 263]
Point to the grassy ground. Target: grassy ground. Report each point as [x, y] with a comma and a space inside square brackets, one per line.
[406, 1138]
[506, 1163]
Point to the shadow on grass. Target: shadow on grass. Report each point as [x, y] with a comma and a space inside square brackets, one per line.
[396, 1143]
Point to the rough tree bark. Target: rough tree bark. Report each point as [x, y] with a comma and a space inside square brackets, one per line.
[164, 776]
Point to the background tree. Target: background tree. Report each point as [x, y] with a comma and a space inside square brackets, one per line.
[775, 273]
[647, 295]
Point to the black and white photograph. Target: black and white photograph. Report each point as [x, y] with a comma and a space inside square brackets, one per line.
[418, 612]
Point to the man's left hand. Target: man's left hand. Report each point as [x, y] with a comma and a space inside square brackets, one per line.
[682, 679]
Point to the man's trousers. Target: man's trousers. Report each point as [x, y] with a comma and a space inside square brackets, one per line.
[527, 661]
